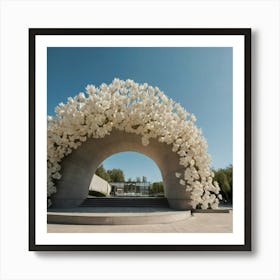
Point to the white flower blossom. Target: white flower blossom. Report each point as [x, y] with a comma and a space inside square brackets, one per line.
[178, 175]
[182, 182]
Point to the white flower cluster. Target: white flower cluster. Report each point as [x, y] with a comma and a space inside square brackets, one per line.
[133, 108]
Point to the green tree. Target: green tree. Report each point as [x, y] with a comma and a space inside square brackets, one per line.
[101, 172]
[116, 175]
[228, 172]
[156, 188]
[224, 178]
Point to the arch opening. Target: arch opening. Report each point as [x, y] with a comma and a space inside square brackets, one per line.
[78, 167]
[127, 174]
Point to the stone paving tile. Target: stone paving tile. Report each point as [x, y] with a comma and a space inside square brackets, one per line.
[198, 223]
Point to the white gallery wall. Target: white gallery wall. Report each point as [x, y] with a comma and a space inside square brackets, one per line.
[16, 262]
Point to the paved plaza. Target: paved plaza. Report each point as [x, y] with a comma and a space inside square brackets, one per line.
[197, 223]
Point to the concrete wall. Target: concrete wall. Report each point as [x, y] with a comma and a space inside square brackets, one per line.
[79, 167]
[100, 185]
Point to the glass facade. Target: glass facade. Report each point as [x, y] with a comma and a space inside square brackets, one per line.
[130, 188]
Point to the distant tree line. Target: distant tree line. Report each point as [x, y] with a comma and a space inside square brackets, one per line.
[116, 175]
[224, 177]
[157, 188]
[113, 175]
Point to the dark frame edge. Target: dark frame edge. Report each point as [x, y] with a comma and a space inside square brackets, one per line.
[32, 245]
[202, 248]
[247, 133]
[140, 31]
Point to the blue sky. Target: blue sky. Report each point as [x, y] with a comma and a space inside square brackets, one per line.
[200, 79]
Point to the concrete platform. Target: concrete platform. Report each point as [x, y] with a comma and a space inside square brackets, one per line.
[115, 216]
[197, 223]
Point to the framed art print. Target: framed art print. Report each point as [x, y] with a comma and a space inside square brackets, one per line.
[177, 100]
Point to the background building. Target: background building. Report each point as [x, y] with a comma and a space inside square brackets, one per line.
[130, 188]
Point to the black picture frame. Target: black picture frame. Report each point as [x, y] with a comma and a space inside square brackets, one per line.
[246, 32]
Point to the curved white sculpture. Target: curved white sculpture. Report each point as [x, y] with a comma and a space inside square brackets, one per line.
[100, 185]
[142, 110]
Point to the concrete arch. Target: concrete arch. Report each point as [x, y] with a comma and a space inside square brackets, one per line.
[144, 113]
[78, 168]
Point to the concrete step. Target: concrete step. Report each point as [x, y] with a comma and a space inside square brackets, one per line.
[116, 216]
[125, 202]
